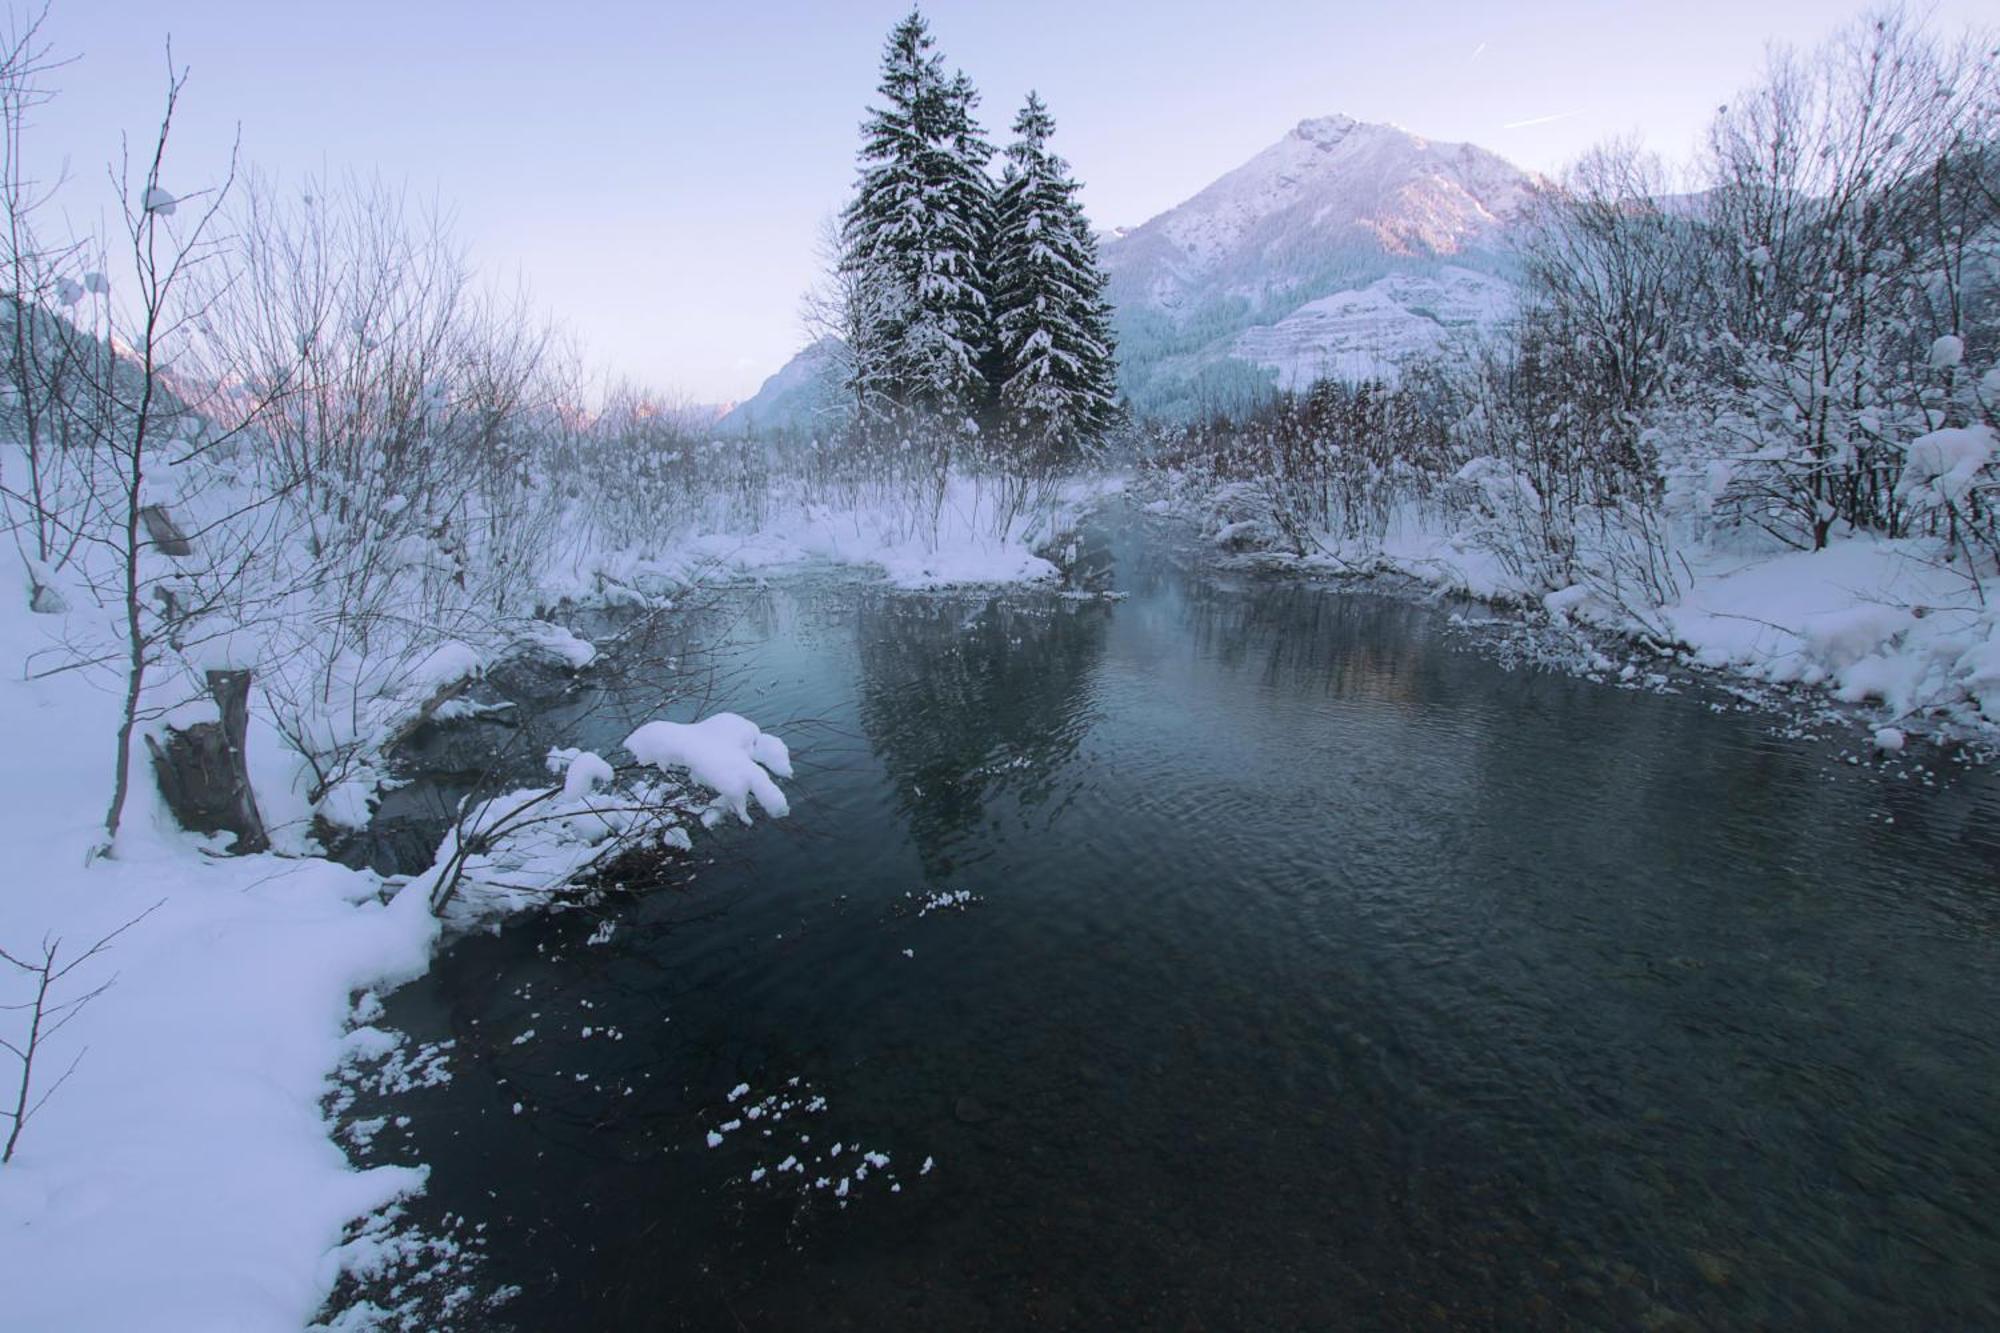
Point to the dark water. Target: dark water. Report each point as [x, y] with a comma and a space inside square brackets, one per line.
[1322, 973]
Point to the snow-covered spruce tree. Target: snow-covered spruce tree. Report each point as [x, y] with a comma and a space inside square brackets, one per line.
[912, 241]
[1057, 376]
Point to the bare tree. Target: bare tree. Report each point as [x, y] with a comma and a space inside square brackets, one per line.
[48, 1011]
[40, 344]
[157, 419]
[1846, 191]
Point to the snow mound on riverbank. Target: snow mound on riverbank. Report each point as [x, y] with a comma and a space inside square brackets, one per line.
[725, 753]
[1869, 619]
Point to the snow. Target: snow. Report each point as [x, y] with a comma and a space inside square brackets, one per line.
[584, 773]
[1869, 619]
[1947, 352]
[970, 546]
[447, 664]
[1943, 465]
[725, 753]
[558, 642]
[157, 200]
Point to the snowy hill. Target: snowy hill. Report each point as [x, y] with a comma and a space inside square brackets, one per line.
[795, 399]
[1343, 246]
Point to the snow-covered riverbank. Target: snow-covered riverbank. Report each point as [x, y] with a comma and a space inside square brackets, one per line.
[974, 539]
[1897, 626]
[182, 1176]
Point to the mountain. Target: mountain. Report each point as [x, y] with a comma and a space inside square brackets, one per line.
[795, 399]
[1342, 247]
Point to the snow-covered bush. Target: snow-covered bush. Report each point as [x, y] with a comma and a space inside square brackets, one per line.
[523, 846]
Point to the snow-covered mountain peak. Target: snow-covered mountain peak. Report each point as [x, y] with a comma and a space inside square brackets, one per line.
[1324, 131]
[1332, 207]
[1333, 177]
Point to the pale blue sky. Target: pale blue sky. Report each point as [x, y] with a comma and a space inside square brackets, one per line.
[657, 172]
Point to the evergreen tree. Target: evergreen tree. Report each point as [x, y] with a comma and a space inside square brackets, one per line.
[913, 238]
[1057, 377]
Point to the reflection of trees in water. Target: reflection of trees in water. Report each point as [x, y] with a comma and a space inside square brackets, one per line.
[1350, 646]
[964, 699]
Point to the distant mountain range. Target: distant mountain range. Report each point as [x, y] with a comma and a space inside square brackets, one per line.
[1341, 250]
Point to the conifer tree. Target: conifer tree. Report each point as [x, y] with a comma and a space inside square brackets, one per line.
[1057, 376]
[913, 238]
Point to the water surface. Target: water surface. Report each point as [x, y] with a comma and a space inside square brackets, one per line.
[1321, 973]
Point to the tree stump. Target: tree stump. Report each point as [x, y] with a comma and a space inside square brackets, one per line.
[202, 772]
[166, 535]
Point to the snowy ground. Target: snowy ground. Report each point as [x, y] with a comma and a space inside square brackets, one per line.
[182, 1177]
[969, 544]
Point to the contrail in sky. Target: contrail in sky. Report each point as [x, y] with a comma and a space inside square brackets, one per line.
[1537, 120]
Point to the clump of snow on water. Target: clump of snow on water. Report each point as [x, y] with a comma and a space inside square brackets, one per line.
[397, 1275]
[789, 1160]
[940, 900]
[521, 848]
[524, 848]
[726, 753]
[383, 1063]
[583, 772]
[558, 642]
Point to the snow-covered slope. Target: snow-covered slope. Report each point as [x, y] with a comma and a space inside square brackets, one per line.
[795, 399]
[1279, 265]
[1367, 333]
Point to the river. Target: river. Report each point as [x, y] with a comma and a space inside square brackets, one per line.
[1318, 966]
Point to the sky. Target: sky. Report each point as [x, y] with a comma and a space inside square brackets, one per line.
[656, 173]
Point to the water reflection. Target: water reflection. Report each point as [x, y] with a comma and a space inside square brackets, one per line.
[967, 699]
